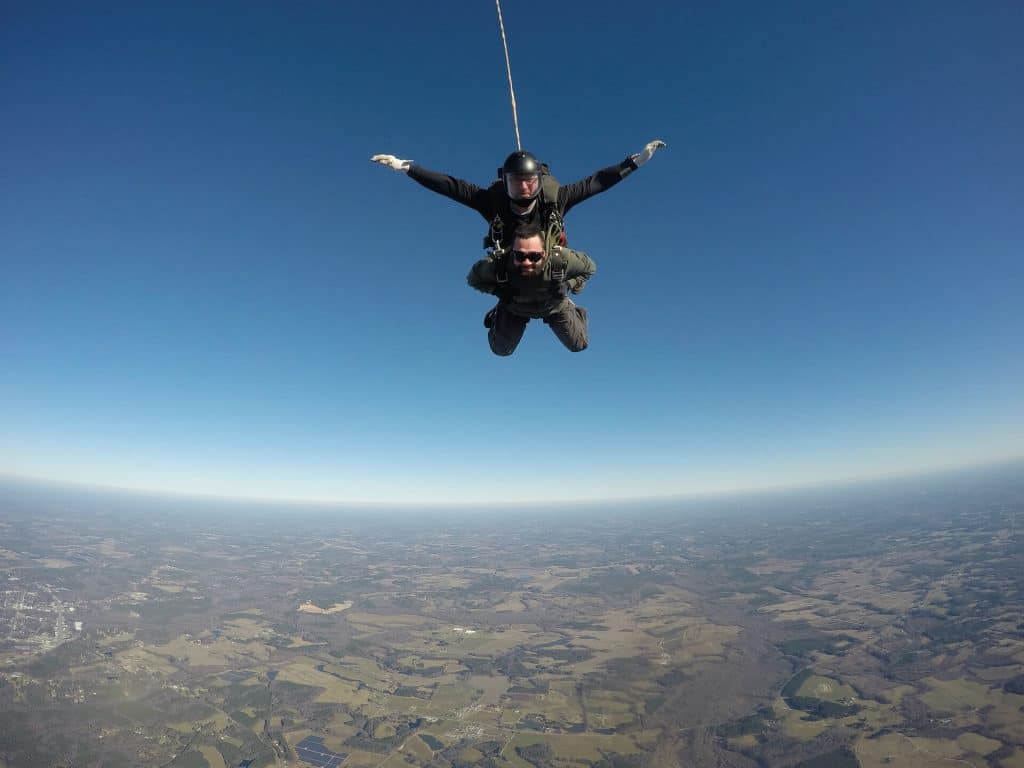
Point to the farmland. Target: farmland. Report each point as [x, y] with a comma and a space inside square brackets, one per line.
[859, 630]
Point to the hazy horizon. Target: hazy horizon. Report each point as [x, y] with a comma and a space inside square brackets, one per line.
[997, 473]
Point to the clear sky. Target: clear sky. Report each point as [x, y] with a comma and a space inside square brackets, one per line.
[206, 286]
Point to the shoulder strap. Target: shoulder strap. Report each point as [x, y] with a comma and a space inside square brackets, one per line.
[559, 268]
[549, 187]
[501, 258]
[551, 212]
[499, 204]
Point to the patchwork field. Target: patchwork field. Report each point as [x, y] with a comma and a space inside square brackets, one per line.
[830, 637]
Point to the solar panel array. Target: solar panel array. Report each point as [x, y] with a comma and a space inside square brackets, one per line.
[312, 750]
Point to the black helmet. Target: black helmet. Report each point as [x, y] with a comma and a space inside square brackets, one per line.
[518, 165]
[521, 162]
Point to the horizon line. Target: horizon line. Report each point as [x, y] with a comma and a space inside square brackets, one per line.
[837, 482]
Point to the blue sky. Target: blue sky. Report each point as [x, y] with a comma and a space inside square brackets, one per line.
[207, 287]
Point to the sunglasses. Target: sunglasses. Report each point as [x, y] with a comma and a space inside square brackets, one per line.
[531, 256]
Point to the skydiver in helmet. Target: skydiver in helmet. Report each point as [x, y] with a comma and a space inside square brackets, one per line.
[525, 193]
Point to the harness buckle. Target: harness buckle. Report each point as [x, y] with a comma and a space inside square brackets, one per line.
[496, 232]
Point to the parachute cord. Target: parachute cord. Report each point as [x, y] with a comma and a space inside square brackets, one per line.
[508, 68]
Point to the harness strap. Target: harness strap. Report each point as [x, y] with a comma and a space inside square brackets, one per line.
[495, 233]
[554, 229]
[559, 269]
[550, 216]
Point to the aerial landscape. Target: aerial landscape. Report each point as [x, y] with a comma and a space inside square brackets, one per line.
[292, 473]
[861, 626]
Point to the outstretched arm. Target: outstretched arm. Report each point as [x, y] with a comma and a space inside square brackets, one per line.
[460, 191]
[606, 178]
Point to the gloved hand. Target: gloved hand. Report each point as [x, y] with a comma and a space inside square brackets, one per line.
[577, 284]
[392, 162]
[647, 152]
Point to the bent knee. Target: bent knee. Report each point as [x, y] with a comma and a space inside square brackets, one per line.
[501, 349]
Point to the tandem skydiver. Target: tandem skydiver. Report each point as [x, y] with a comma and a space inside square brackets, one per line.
[525, 194]
[526, 206]
[531, 282]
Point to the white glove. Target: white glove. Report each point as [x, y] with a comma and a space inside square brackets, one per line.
[393, 162]
[647, 152]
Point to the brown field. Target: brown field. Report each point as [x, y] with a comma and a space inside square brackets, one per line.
[54, 562]
[336, 608]
[213, 757]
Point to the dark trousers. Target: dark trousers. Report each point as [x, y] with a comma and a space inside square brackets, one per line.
[568, 323]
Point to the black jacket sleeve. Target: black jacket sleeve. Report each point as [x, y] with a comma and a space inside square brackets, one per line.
[603, 180]
[460, 191]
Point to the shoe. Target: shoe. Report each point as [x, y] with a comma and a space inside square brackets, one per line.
[489, 317]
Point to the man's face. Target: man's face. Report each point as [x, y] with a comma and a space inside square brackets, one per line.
[528, 255]
[522, 186]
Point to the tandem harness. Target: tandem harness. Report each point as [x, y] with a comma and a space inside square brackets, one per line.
[553, 231]
[504, 219]
[557, 268]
